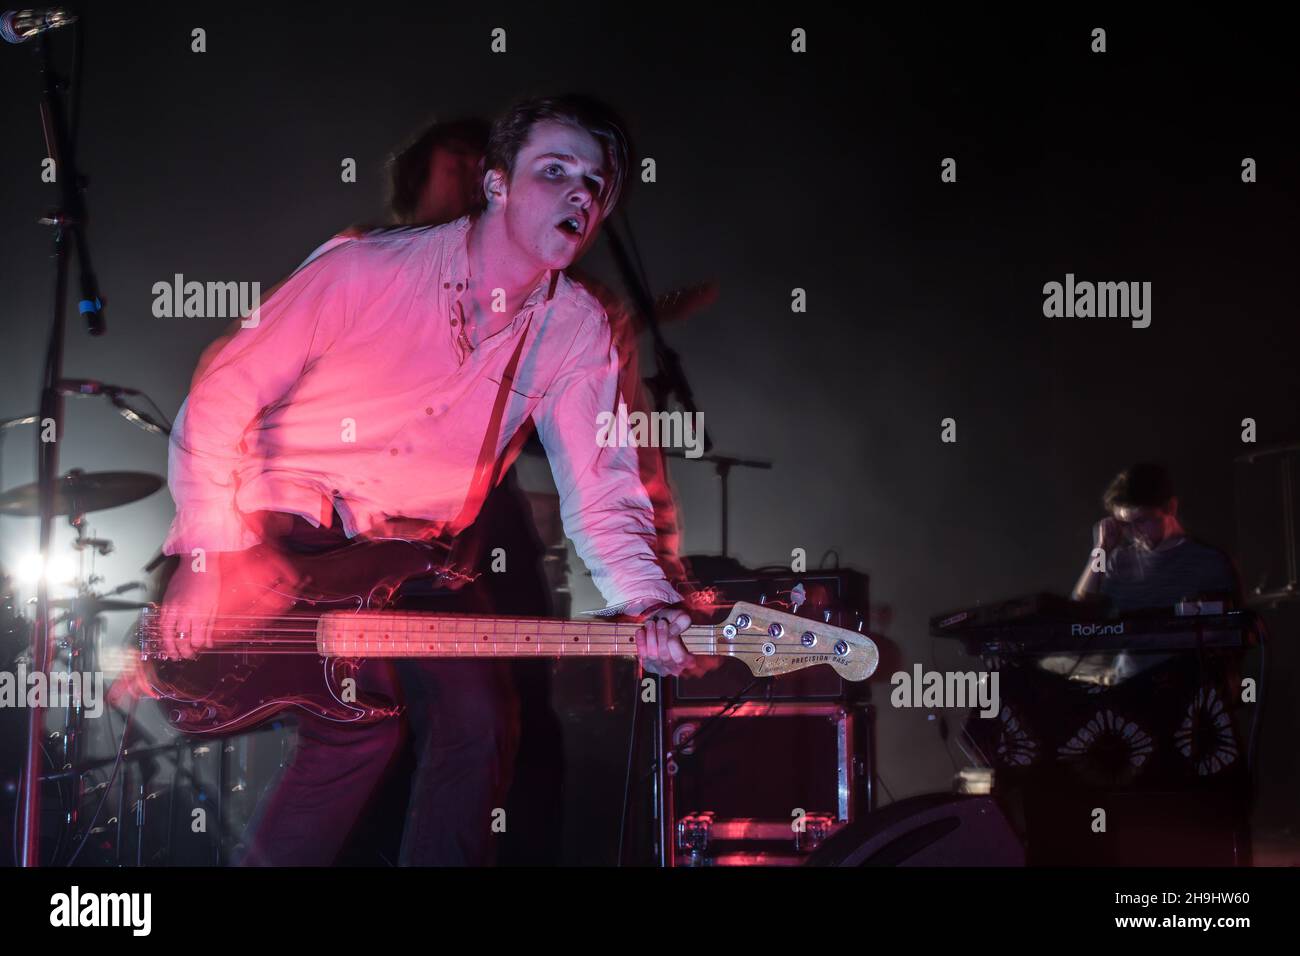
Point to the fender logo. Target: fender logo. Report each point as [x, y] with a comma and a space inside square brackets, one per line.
[765, 662]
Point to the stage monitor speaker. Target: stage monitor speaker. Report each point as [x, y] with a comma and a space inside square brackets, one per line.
[936, 829]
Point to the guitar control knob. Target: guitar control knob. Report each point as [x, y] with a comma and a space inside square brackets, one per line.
[809, 639]
[841, 648]
[742, 621]
[775, 630]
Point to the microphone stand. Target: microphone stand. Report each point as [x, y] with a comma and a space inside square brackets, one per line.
[69, 227]
[669, 379]
[722, 465]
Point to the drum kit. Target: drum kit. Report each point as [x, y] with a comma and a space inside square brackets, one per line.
[76, 628]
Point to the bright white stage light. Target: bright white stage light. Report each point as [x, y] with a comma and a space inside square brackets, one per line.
[62, 569]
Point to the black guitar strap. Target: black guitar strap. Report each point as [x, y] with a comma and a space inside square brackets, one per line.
[487, 470]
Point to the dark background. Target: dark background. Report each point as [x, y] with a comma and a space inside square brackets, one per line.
[775, 171]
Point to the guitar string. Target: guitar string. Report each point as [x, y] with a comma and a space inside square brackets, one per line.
[154, 630]
[156, 640]
[375, 653]
[257, 639]
[537, 623]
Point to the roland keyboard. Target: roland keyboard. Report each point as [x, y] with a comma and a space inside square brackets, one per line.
[1045, 624]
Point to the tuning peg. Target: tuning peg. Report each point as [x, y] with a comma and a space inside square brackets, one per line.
[826, 617]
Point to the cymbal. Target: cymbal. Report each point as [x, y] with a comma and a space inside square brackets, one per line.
[78, 492]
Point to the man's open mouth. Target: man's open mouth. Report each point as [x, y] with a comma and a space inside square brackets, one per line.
[571, 226]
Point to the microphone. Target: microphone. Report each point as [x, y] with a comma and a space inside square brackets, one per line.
[88, 386]
[19, 26]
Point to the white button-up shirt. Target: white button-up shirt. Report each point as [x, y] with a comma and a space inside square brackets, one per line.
[354, 391]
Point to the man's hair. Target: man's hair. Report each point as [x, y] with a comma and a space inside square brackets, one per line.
[510, 132]
[409, 167]
[1144, 485]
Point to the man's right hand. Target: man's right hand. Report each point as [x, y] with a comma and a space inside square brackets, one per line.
[258, 582]
[188, 610]
[1108, 534]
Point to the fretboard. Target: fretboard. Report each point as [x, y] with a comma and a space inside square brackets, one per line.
[411, 634]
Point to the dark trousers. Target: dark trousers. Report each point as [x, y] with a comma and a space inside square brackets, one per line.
[461, 719]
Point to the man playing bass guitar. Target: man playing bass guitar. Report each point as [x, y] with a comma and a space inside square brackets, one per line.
[381, 390]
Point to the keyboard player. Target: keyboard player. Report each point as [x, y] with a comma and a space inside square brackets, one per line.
[1147, 562]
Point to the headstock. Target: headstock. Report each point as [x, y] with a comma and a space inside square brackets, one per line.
[772, 642]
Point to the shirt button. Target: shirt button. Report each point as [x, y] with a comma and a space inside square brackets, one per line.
[392, 451]
[455, 322]
[446, 285]
[428, 410]
[459, 287]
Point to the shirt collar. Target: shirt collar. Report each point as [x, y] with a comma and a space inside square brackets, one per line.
[455, 268]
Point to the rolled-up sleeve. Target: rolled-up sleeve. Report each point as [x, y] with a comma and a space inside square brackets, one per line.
[604, 506]
[255, 369]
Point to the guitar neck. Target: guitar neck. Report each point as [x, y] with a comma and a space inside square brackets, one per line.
[770, 642]
[411, 634]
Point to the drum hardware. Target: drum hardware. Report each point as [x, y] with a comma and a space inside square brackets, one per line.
[76, 493]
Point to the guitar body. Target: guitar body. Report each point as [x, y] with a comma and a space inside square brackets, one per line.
[222, 693]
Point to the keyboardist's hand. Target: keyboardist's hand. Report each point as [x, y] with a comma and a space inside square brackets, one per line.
[1108, 534]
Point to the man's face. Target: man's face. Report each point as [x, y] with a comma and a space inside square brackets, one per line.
[1146, 527]
[553, 205]
[453, 186]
